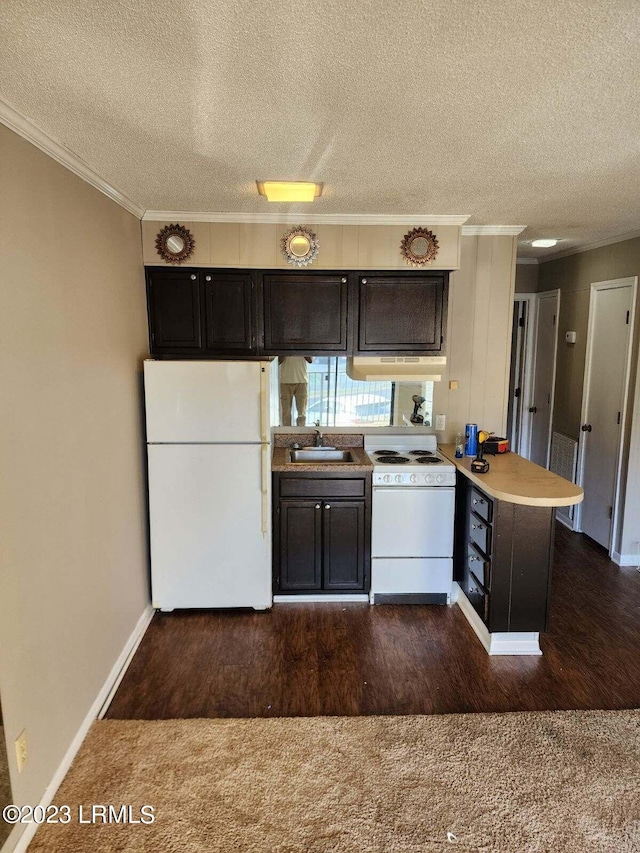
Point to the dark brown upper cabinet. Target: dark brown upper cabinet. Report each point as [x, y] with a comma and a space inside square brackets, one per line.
[229, 323]
[174, 302]
[402, 313]
[209, 313]
[304, 312]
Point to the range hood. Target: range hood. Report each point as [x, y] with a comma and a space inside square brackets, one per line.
[391, 368]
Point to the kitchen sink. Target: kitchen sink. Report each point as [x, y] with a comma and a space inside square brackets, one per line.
[320, 454]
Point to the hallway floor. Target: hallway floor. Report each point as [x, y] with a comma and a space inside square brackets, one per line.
[353, 659]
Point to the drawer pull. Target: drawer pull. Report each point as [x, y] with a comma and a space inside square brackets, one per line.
[477, 501]
[477, 527]
[473, 559]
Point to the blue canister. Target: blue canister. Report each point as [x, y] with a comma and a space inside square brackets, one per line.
[471, 440]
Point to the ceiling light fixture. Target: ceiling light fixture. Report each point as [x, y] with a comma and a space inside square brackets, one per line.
[543, 244]
[289, 190]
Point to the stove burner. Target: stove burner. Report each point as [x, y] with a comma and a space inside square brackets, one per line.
[392, 460]
[421, 453]
[386, 452]
[426, 460]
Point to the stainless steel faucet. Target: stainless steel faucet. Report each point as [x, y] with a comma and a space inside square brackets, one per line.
[318, 438]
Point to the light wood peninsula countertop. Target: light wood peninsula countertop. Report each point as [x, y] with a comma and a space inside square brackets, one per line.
[516, 480]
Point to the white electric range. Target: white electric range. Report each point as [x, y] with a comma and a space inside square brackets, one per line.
[413, 507]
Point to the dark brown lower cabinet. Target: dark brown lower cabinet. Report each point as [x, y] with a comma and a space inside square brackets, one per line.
[321, 542]
[502, 560]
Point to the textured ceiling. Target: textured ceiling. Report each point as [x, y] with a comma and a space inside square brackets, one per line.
[513, 112]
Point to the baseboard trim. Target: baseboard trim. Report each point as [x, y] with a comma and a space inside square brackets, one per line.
[626, 559]
[565, 521]
[96, 711]
[327, 598]
[502, 643]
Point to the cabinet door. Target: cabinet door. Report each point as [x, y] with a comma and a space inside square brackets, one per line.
[402, 314]
[300, 556]
[343, 545]
[228, 311]
[304, 313]
[174, 310]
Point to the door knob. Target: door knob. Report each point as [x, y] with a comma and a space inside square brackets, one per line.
[533, 409]
[586, 427]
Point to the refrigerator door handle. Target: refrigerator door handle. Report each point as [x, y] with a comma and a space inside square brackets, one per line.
[264, 401]
[264, 471]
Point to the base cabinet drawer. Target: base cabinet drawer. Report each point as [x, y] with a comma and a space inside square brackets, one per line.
[479, 566]
[480, 533]
[478, 597]
[481, 505]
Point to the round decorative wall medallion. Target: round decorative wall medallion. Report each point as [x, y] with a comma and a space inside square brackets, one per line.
[175, 243]
[419, 247]
[300, 246]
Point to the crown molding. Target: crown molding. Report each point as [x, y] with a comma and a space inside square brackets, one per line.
[588, 247]
[524, 261]
[303, 218]
[25, 128]
[492, 230]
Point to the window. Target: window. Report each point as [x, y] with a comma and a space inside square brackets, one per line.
[334, 399]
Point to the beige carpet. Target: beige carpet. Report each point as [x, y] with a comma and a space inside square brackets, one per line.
[567, 782]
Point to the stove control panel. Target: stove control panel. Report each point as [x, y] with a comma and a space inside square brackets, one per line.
[445, 478]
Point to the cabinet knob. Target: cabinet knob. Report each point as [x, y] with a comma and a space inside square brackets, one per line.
[364, 281]
[207, 278]
[317, 506]
[344, 280]
[327, 506]
[193, 278]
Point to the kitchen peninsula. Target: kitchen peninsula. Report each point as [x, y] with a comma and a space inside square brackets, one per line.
[504, 545]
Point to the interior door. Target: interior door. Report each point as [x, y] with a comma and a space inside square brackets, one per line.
[541, 403]
[604, 393]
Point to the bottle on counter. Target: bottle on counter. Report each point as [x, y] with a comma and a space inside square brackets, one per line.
[459, 445]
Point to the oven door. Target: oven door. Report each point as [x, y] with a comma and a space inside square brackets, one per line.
[412, 522]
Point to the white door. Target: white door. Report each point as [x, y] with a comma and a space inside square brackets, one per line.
[206, 515]
[606, 378]
[541, 402]
[207, 401]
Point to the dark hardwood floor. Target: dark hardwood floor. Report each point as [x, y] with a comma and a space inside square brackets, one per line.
[317, 659]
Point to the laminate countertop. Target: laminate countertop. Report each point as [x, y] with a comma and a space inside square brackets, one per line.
[516, 480]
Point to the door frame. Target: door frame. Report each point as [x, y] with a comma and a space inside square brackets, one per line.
[610, 284]
[541, 295]
[529, 343]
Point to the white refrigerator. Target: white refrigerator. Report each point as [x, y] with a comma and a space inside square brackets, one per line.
[208, 444]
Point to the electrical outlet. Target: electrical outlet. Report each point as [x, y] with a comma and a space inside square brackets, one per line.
[21, 750]
[441, 422]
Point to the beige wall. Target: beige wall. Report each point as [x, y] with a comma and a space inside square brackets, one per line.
[574, 276]
[479, 336]
[526, 278]
[72, 509]
[342, 247]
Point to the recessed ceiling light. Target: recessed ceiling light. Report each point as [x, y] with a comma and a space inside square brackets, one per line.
[289, 190]
[543, 244]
